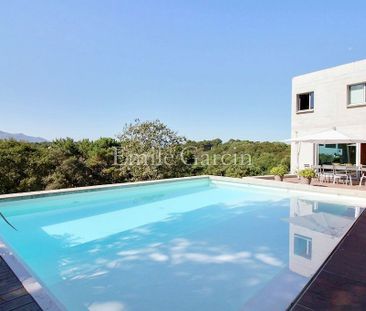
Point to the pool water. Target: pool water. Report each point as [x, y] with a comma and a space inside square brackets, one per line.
[184, 245]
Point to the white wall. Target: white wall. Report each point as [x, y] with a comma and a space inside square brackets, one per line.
[330, 87]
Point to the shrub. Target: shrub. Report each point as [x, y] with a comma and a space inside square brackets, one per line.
[279, 170]
[308, 173]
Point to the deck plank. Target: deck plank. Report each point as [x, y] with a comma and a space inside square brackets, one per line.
[13, 296]
[29, 307]
[16, 303]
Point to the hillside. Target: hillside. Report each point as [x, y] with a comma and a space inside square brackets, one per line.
[21, 137]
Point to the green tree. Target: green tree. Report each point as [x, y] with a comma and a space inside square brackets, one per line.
[147, 150]
[150, 150]
[68, 167]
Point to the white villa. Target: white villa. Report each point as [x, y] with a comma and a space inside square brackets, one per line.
[329, 117]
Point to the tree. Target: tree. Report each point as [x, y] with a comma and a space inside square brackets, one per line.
[147, 150]
[22, 166]
[68, 168]
[100, 161]
[150, 150]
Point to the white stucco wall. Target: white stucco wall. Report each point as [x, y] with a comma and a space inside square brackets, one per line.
[330, 87]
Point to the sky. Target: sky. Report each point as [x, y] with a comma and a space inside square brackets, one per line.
[207, 69]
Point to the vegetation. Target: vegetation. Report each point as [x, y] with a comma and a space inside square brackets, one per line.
[307, 173]
[150, 150]
[143, 151]
[279, 170]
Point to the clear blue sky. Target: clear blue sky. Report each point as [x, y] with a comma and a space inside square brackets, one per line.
[206, 68]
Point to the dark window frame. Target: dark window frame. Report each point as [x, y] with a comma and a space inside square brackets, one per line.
[311, 102]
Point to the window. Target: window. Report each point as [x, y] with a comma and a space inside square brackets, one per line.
[357, 94]
[337, 153]
[305, 102]
[302, 246]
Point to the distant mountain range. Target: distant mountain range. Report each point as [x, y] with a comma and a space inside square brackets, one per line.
[21, 137]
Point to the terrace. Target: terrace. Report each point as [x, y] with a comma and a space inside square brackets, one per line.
[316, 183]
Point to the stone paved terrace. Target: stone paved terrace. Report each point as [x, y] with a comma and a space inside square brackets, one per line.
[316, 183]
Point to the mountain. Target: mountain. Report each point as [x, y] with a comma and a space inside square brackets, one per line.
[21, 137]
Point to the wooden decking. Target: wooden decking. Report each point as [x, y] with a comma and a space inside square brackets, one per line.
[13, 296]
[341, 282]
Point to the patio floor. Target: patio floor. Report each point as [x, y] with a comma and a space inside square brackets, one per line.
[317, 183]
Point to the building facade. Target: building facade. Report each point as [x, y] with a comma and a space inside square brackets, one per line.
[333, 98]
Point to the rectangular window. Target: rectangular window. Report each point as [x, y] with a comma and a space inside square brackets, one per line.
[357, 94]
[305, 102]
[337, 154]
[302, 246]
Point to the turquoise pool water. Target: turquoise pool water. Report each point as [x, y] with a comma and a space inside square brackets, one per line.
[187, 245]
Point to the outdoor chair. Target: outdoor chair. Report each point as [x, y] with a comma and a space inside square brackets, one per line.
[353, 173]
[363, 176]
[318, 171]
[341, 174]
[327, 173]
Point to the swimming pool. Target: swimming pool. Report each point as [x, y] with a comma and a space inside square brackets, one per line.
[199, 244]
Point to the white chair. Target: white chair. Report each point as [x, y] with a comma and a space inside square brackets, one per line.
[353, 173]
[341, 174]
[327, 173]
[363, 176]
[318, 171]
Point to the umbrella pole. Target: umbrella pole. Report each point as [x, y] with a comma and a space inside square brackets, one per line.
[298, 158]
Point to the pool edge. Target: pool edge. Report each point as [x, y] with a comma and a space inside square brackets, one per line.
[40, 293]
[45, 193]
[244, 180]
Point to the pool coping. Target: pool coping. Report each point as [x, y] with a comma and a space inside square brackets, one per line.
[48, 302]
[245, 180]
[45, 300]
[44, 193]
